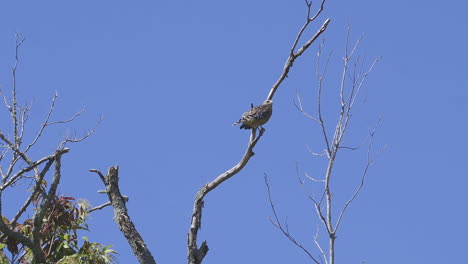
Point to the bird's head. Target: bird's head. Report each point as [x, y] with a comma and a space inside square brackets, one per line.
[268, 102]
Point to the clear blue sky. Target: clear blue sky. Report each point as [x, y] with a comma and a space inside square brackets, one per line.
[170, 77]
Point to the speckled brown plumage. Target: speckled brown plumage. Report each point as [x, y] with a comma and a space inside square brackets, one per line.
[257, 116]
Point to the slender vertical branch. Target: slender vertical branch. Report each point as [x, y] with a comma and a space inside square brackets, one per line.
[14, 107]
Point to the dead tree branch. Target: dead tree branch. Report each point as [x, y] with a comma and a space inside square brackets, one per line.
[335, 143]
[369, 163]
[20, 164]
[104, 205]
[195, 253]
[285, 229]
[121, 217]
[293, 55]
[349, 90]
[35, 192]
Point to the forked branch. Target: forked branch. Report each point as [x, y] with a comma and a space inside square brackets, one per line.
[349, 89]
[195, 253]
[294, 55]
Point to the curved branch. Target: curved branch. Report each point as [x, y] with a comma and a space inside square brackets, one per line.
[293, 56]
[276, 222]
[195, 254]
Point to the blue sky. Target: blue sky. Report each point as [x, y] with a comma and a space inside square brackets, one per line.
[170, 77]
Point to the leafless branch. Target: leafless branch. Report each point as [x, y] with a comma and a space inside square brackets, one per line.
[316, 242]
[348, 93]
[104, 205]
[101, 176]
[70, 119]
[284, 229]
[301, 108]
[195, 254]
[14, 107]
[293, 54]
[363, 177]
[5, 100]
[44, 124]
[34, 193]
[306, 24]
[312, 178]
[76, 139]
[24, 170]
[16, 150]
[121, 217]
[23, 118]
[363, 79]
[320, 74]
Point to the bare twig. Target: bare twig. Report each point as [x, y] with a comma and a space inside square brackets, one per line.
[320, 76]
[293, 54]
[306, 24]
[16, 150]
[316, 242]
[79, 139]
[44, 124]
[284, 229]
[24, 170]
[301, 108]
[104, 205]
[369, 163]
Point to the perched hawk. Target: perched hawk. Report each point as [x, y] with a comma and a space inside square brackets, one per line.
[257, 116]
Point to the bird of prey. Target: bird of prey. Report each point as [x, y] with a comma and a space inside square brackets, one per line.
[257, 116]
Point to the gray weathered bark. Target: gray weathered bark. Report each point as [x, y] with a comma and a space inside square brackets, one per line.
[121, 217]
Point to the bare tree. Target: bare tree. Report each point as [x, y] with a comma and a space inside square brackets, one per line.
[195, 253]
[353, 78]
[16, 165]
